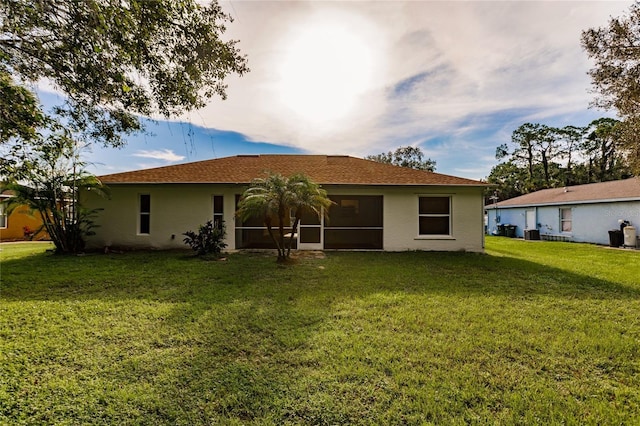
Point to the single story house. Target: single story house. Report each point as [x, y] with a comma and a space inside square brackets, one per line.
[21, 224]
[581, 213]
[377, 206]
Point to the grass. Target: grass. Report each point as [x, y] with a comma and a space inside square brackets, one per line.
[531, 333]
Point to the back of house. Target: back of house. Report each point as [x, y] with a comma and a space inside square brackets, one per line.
[376, 206]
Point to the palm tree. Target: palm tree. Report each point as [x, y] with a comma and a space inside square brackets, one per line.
[276, 199]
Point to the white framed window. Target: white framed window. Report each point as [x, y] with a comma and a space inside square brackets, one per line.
[3, 216]
[434, 215]
[144, 216]
[218, 211]
[566, 220]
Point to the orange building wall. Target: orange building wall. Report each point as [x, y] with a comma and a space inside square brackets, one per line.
[16, 222]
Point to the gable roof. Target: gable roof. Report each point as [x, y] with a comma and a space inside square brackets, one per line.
[322, 169]
[617, 190]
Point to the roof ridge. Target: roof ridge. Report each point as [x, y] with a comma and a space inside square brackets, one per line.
[324, 169]
[620, 189]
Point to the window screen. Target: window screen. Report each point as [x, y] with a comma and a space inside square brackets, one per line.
[434, 216]
[145, 214]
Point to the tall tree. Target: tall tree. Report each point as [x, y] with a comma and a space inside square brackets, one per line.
[603, 148]
[406, 156]
[113, 60]
[532, 144]
[615, 76]
[570, 140]
[549, 152]
[510, 181]
[276, 199]
[630, 142]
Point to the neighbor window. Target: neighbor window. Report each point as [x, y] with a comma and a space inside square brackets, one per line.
[145, 214]
[3, 216]
[218, 210]
[434, 215]
[565, 220]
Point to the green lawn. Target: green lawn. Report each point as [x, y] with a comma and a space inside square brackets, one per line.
[531, 333]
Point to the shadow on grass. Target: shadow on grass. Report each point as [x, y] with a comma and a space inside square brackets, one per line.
[180, 277]
[231, 339]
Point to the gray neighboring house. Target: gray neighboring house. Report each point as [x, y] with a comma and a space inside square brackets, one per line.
[581, 213]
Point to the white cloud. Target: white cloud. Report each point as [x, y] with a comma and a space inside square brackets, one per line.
[358, 78]
[164, 154]
[467, 58]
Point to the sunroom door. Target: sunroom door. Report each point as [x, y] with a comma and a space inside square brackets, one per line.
[310, 233]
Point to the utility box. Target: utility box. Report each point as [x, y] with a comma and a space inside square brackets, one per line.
[531, 234]
[629, 236]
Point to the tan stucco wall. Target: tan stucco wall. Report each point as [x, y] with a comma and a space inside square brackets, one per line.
[400, 217]
[179, 208]
[174, 209]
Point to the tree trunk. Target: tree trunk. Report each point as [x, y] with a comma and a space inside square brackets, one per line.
[545, 168]
[293, 232]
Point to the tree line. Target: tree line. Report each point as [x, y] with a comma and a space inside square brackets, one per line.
[541, 156]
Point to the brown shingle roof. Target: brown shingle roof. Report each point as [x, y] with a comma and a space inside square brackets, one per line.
[322, 169]
[627, 189]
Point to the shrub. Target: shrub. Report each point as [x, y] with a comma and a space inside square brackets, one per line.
[208, 240]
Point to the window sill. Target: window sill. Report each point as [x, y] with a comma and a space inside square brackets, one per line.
[434, 237]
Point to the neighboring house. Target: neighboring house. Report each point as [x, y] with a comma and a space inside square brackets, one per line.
[377, 206]
[20, 224]
[581, 213]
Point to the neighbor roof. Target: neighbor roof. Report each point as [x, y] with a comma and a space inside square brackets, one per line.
[322, 169]
[617, 190]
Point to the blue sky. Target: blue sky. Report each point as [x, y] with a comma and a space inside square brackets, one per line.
[358, 78]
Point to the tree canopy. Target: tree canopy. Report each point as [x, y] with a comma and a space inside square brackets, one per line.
[541, 156]
[406, 156]
[20, 113]
[615, 50]
[112, 60]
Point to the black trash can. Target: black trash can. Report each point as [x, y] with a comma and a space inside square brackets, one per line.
[501, 231]
[616, 238]
[510, 231]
